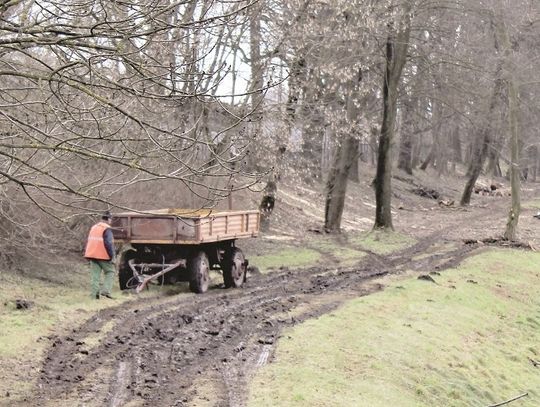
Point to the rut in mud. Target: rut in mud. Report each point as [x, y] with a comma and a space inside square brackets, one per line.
[202, 349]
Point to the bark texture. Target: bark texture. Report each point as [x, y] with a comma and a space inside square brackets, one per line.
[336, 185]
[345, 160]
[396, 56]
[405, 157]
[513, 113]
[480, 149]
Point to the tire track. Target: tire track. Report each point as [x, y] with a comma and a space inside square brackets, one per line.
[157, 353]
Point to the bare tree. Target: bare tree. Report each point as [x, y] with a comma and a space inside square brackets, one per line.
[107, 88]
[115, 104]
[345, 155]
[482, 144]
[513, 112]
[396, 55]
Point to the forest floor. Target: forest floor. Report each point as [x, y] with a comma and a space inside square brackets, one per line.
[174, 348]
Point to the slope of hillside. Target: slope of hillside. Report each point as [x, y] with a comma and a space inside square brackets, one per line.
[218, 337]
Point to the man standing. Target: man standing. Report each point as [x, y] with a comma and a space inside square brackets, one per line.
[100, 252]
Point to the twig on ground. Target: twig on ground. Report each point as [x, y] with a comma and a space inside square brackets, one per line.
[509, 401]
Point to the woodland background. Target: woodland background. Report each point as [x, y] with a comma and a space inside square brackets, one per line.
[137, 105]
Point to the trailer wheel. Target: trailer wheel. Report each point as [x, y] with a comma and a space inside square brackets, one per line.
[199, 271]
[234, 268]
[125, 274]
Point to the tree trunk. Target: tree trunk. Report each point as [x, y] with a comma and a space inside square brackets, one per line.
[313, 130]
[417, 150]
[494, 152]
[429, 158]
[439, 140]
[456, 148]
[533, 162]
[515, 209]
[405, 157]
[513, 112]
[257, 81]
[354, 173]
[479, 151]
[442, 154]
[268, 200]
[373, 145]
[297, 76]
[477, 162]
[396, 56]
[336, 185]
[345, 160]
[312, 147]
[405, 152]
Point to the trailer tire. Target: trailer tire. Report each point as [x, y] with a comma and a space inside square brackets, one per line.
[123, 278]
[234, 269]
[125, 274]
[199, 271]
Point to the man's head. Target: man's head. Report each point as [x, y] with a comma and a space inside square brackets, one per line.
[106, 217]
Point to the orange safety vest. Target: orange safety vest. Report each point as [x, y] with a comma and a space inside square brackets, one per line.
[95, 246]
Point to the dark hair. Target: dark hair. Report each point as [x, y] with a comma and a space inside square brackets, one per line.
[106, 215]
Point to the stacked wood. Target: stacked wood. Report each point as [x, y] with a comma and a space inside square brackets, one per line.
[490, 189]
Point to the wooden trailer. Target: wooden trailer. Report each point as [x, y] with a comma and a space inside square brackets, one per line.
[170, 245]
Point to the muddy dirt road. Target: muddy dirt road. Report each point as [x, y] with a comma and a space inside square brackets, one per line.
[202, 349]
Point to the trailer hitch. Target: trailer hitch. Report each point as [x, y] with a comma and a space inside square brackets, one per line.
[143, 280]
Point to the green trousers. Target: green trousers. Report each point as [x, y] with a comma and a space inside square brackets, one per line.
[96, 266]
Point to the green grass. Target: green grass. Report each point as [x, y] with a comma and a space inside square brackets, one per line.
[441, 248]
[61, 300]
[337, 249]
[289, 257]
[344, 250]
[381, 242]
[53, 305]
[465, 341]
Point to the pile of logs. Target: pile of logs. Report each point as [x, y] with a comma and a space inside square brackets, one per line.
[426, 193]
[491, 189]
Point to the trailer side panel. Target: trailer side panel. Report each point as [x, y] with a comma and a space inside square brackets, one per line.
[169, 228]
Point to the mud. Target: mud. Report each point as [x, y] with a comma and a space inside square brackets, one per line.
[197, 349]
[203, 349]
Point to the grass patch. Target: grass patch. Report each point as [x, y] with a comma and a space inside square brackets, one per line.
[52, 303]
[381, 242]
[336, 248]
[344, 250]
[465, 341]
[59, 298]
[97, 337]
[290, 257]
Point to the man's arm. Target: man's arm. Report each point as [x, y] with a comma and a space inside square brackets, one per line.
[108, 240]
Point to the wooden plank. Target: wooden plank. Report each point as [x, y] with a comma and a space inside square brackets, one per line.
[162, 227]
